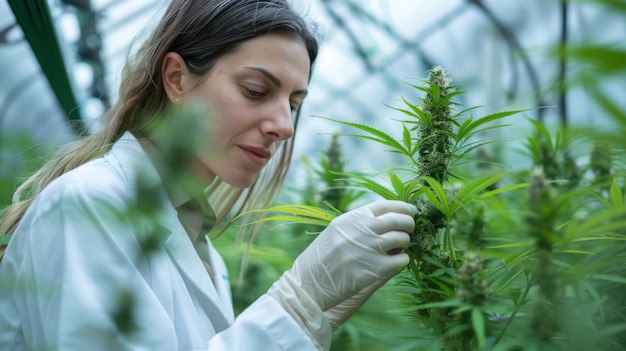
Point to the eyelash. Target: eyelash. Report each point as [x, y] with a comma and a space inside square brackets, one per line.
[257, 94]
[253, 93]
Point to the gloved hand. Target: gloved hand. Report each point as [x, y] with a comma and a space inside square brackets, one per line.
[357, 250]
[344, 310]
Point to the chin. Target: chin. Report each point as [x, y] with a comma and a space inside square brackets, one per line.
[240, 182]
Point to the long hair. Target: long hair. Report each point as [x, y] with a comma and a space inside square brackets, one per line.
[200, 31]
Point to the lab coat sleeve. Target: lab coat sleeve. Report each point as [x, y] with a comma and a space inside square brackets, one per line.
[265, 326]
[81, 285]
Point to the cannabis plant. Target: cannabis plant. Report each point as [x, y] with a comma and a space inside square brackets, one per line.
[501, 259]
[434, 139]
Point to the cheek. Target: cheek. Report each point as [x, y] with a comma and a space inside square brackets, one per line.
[223, 129]
[218, 125]
[226, 116]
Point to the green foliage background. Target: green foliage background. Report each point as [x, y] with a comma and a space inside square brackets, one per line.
[547, 270]
[540, 249]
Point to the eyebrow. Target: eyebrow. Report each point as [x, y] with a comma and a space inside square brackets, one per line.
[275, 79]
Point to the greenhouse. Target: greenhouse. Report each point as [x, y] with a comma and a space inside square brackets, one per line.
[263, 157]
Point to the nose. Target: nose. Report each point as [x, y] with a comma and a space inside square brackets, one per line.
[279, 124]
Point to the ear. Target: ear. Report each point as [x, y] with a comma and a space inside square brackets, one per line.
[173, 72]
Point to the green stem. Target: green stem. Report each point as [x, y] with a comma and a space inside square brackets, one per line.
[512, 317]
[449, 242]
[413, 269]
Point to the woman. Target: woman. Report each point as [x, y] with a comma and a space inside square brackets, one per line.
[89, 267]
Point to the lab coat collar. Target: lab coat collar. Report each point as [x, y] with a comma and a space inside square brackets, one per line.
[184, 255]
[136, 165]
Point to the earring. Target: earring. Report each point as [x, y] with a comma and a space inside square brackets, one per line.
[177, 100]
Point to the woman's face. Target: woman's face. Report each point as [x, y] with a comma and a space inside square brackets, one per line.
[250, 96]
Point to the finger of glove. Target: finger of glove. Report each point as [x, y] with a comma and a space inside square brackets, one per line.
[348, 256]
[392, 221]
[396, 262]
[394, 240]
[381, 207]
[361, 249]
[359, 246]
[330, 278]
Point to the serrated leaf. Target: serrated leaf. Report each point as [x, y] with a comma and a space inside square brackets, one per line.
[478, 324]
[470, 128]
[294, 213]
[472, 188]
[463, 130]
[435, 93]
[397, 184]
[447, 99]
[406, 136]
[375, 187]
[482, 130]
[543, 131]
[462, 112]
[406, 112]
[606, 221]
[375, 134]
[608, 105]
[604, 58]
[617, 329]
[467, 149]
[506, 280]
[418, 112]
[511, 245]
[495, 116]
[419, 87]
[610, 278]
[503, 189]
[436, 194]
[617, 198]
[289, 220]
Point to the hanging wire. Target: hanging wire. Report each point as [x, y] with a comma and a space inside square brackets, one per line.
[516, 48]
[404, 46]
[6, 32]
[563, 65]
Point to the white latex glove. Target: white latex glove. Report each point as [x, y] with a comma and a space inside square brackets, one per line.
[357, 250]
[344, 310]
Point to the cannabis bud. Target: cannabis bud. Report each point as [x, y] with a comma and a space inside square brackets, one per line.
[436, 143]
[473, 287]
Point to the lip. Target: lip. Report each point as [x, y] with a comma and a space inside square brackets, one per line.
[256, 155]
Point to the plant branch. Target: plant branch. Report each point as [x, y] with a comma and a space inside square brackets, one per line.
[514, 313]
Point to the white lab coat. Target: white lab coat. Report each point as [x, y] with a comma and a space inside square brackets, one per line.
[71, 271]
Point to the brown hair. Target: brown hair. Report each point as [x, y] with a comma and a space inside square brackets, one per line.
[201, 31]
